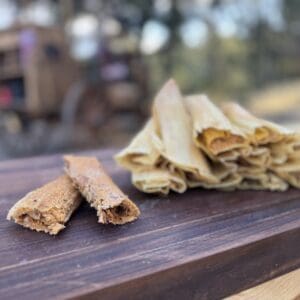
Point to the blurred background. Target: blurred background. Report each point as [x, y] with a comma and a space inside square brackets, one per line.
[82, 74]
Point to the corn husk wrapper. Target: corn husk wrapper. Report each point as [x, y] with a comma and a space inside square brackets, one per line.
[256, 156]
[245, 170]
[159, 181]
[297, 143]
[287, 149]
[229, 182]
[262, 181]
[259, 132]
[280, 152]
[175, 142]
[296, 146]
[212, 131]
[228, 156]
[140, 153]
[289, 171]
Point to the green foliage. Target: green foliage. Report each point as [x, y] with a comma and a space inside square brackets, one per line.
[203, 70]
[233, 67]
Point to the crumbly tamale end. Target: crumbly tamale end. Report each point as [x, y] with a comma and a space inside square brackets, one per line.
[112, 205]
[47, 208]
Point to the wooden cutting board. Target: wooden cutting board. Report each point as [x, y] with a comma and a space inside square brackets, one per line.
[198, 245]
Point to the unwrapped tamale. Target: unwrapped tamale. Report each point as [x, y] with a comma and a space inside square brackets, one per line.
[88, 175]
[47, 208]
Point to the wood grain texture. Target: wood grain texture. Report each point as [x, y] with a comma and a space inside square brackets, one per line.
[283, 287]
[199, 245]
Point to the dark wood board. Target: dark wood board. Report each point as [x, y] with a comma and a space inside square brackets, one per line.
[198, 245]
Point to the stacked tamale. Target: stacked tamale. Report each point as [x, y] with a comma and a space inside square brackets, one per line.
[191, 142]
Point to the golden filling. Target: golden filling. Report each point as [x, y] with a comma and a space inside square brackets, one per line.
[219, 141]
[264, 135]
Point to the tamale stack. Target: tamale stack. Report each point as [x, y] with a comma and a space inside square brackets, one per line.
[191, 142]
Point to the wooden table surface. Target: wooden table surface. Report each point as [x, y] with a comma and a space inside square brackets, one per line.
[198, 245]
[285, 287]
